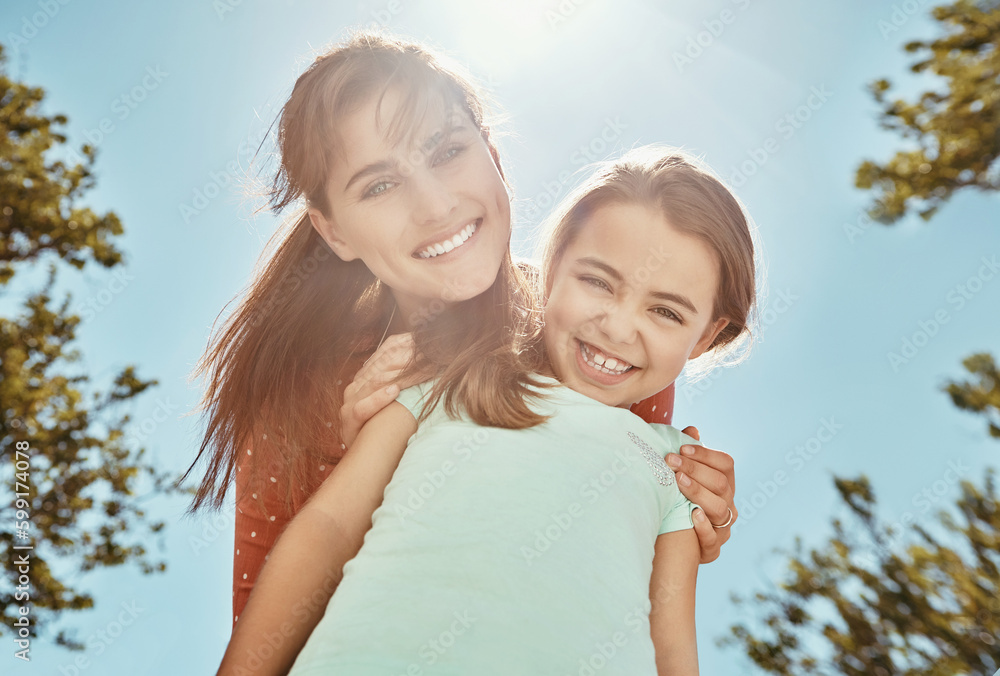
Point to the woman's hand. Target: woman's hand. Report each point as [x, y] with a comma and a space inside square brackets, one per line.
[373, 388]
[706, 478]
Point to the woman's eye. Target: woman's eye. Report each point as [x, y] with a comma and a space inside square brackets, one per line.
[449, 153]
[378, 188]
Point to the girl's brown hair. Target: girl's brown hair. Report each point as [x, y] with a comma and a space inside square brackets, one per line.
[276, 370]
[695, 202]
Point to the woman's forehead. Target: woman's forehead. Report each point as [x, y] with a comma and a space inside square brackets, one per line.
[389, 127]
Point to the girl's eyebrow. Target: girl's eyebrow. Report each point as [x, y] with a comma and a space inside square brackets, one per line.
[675, 298]
[680, 299]
[602, 266]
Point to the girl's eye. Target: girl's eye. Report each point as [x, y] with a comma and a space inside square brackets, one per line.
[595, 281]
[669, 314]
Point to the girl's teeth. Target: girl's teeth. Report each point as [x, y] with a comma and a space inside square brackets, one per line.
[448, 245]
[605, 365]
[457, 240]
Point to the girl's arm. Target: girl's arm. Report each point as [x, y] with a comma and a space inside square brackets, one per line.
[671, 591]
[307, 562]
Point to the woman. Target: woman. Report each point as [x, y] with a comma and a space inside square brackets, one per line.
[387, 194]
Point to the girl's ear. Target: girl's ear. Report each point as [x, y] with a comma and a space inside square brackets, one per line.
[706, 340]
[327, 229]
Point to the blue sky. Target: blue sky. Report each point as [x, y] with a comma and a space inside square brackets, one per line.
[568, 76]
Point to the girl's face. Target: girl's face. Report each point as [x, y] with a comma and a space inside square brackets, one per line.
[429, 216]
[629, 302]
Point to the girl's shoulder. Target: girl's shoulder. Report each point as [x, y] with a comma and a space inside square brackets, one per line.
[413, 397]
[669, 437]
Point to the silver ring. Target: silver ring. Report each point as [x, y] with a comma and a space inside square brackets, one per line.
[727, 522]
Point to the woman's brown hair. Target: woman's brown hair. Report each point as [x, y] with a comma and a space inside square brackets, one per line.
[276, 369]
[695, 202]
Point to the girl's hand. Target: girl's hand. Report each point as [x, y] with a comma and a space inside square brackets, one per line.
[373, 388]
[706, 478]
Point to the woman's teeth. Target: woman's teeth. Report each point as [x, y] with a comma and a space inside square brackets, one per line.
[449, 244]
[601, 363]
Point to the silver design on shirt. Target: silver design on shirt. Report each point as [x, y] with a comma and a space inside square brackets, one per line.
[663, 474]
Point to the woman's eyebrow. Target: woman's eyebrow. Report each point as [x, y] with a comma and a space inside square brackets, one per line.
[369, 169]
[444, 132]
[432, 142]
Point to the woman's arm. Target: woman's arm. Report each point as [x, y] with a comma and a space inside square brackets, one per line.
[261, 516]
[307, 562]
[707, 478]
[671, 592]
[376, 384]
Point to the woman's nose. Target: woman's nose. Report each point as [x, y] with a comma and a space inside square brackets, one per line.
[435, 199]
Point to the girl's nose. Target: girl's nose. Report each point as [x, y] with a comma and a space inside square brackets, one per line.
[617, 322]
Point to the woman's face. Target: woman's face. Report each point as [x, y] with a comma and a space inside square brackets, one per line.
[629, 302]
[429, 216]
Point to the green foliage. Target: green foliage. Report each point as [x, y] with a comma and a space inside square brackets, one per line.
[83, 508]
[873, 602]
[982, 396]
[39, 198]
[955, 129]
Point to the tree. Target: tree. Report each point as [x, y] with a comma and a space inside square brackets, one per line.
[71, 474]
[876, 602]
[983, 396]
[955, 130]
[885, 600]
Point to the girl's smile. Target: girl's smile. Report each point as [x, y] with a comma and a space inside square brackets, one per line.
[604, 367]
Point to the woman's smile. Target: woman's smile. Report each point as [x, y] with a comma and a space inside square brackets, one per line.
[429, 215]
[445, 245]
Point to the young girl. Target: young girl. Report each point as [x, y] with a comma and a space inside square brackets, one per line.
[352, 272]
[559, 545]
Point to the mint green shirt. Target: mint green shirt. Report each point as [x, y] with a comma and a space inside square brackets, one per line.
[511, 552]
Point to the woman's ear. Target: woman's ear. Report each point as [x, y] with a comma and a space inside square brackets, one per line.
[327, 229]
[711, 333]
